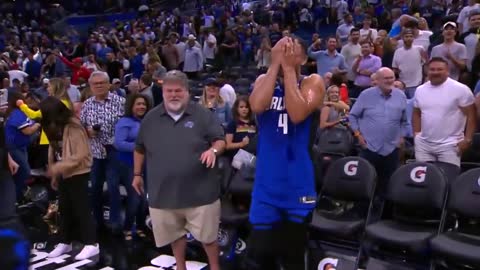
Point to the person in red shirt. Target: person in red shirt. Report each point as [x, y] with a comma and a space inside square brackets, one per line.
[338, 80]
[78, 71]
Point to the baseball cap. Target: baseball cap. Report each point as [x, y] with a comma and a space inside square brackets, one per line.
[191, 37]
[452, 24]
[212, 81]
[116, 80]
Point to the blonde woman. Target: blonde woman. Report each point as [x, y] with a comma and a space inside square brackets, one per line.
[334, 110]
[212, 100]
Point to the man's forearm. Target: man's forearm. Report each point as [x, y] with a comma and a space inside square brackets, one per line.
[138, 160]
[471, 123]
[219, 146]
[416, 122]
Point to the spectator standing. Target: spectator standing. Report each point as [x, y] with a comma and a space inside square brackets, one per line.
[351, 51]
[145, 83]
[99, 115]
[364, 66]
[453, 52]
[408, 63]
[463, 17]
[439, 101]
[78, 71]
[72, 90]
[170, 53]
[209, 46]
[380, 134]
[69, 161]
[18, 131]
[328, 60]
[343, 30]
[173, 212]
[193, 58]
[113, 67]
[126, 132]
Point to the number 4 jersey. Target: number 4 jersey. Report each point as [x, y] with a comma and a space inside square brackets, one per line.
[284, 171]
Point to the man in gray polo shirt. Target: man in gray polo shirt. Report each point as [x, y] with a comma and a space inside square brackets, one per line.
[180, 141]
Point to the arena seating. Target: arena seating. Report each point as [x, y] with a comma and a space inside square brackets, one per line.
[350, 182]
[417, 193]
[460, 246]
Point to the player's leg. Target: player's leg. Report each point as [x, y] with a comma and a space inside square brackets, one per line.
[262, 249]
[292, 239]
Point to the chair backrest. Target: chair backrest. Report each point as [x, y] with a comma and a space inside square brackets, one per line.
[243, 82]
[418, 185]
[334, 140]
[350, 179]
[464, 196]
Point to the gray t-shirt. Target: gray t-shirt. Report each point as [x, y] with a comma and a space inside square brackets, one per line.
[176, 178]
[457, 50]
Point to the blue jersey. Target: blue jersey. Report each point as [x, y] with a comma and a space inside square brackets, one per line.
[284, 170]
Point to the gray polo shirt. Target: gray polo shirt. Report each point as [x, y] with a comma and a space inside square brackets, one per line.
[176, 178]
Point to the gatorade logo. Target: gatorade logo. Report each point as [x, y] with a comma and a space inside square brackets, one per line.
[418, 174]
[327, 264]
[351, 168]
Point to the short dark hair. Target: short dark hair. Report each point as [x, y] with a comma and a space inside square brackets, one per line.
[331, 37]
[355, 29]
[131, 101]
[438, 59]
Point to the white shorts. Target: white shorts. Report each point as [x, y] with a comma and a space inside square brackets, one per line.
[427, 152]
[171, 224]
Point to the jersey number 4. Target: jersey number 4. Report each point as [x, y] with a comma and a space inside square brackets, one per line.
[283, 122]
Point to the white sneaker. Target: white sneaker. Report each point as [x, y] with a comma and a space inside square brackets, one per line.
[60, 249]
[87, 252]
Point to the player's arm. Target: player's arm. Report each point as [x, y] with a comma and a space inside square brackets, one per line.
[470, 113]
[301, 102]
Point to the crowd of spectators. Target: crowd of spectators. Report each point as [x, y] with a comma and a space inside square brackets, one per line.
[219, 46]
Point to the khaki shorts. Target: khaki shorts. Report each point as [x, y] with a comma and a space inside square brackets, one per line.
[171, 224]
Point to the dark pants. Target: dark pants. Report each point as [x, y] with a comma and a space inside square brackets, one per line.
[385, 167]
[7, 197]
[105, 170]
[136, 204]
[20, 156]
[76, 220]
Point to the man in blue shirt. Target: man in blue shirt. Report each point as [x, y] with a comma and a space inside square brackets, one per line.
[379, 122]
[284, 189]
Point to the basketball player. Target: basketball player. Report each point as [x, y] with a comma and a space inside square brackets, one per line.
[284, 189]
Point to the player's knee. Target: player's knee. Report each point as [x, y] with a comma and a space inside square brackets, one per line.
[261, 248]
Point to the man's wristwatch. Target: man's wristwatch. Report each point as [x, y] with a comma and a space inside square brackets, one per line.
[215, 151]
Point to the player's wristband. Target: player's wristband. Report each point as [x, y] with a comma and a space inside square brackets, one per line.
[138, 174]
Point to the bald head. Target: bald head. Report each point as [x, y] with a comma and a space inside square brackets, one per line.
[385, 79]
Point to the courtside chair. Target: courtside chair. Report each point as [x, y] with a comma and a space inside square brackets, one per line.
[459, 247]
[417, 193]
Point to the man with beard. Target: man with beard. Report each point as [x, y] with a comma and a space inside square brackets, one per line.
[180, 141]
[443, 117]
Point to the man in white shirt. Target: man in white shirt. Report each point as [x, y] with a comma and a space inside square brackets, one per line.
[209, 46]
[408, 63]
[444, 117]
[462, 20]
[453, 52]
